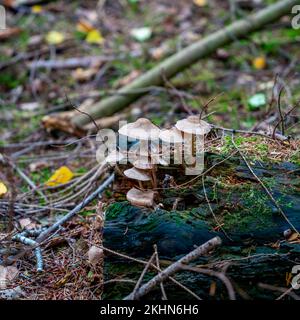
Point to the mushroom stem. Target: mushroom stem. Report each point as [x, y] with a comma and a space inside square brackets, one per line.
[140, 184]
[154, 179]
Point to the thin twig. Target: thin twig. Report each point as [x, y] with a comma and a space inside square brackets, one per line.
[139, 282]
[216, 274]
[176, 266]
[211, 210]
[162, 288]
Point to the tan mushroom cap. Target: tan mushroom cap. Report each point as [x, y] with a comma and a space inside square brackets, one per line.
[193, 125]
[136, 174]
[114, 157]
[141, 129]
[172, 135]
[140, 198]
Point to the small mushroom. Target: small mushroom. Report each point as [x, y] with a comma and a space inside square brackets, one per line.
[95, 254]
[136, 174]
[141, 129]
[140, 198]
[193, 125]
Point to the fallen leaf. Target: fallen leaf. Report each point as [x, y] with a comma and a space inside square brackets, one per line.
[141, 34]
[81, 74]
[3, 189]
[55, 37]
[84, 26]
[36, 9]
[94, 37]
[200, 3]
[60, 176]
[27, 223]
[259, 63]
[7, 274]
[257, 101]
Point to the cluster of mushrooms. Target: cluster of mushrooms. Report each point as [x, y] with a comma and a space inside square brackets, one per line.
[145, 157]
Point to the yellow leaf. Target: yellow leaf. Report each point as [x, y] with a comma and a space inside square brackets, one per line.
[55, 37]
[259, 63]
[60, 176]
[3, 189]
[36, 9]
[94, 36]
[200, 3]
[84, 26]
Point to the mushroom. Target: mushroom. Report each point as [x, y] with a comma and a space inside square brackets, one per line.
[172, 138]
[136, 174]
[142, 130]
[192, 127]
[140, 198]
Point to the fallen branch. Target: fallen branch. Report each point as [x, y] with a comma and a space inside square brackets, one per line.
[78, 208]
[185, 58]
[82, 62]
[173, 268]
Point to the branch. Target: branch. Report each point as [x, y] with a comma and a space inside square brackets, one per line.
[173, 268]
[185, 58]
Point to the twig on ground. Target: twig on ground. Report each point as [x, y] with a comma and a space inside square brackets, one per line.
[211, 210]
[216, 274]
[77, 209]
[162, 288]
[284, 291]
[139, 282]
[176, 266]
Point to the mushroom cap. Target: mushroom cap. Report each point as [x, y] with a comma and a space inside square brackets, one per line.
[193, 125]
[143, 163]
[136, 174]
[141, 129]
[140, 198]
[172, 135]
[95, 254]
[114, 157]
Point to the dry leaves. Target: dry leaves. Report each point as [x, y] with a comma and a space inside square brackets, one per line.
[60, 176]
[3, 189]
[259, 63]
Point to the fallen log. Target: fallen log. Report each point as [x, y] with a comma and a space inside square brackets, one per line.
[183, 59]
[256, 252]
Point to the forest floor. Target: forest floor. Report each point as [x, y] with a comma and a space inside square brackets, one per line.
[229, 83]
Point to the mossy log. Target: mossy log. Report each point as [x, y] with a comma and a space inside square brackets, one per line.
[252, 222]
